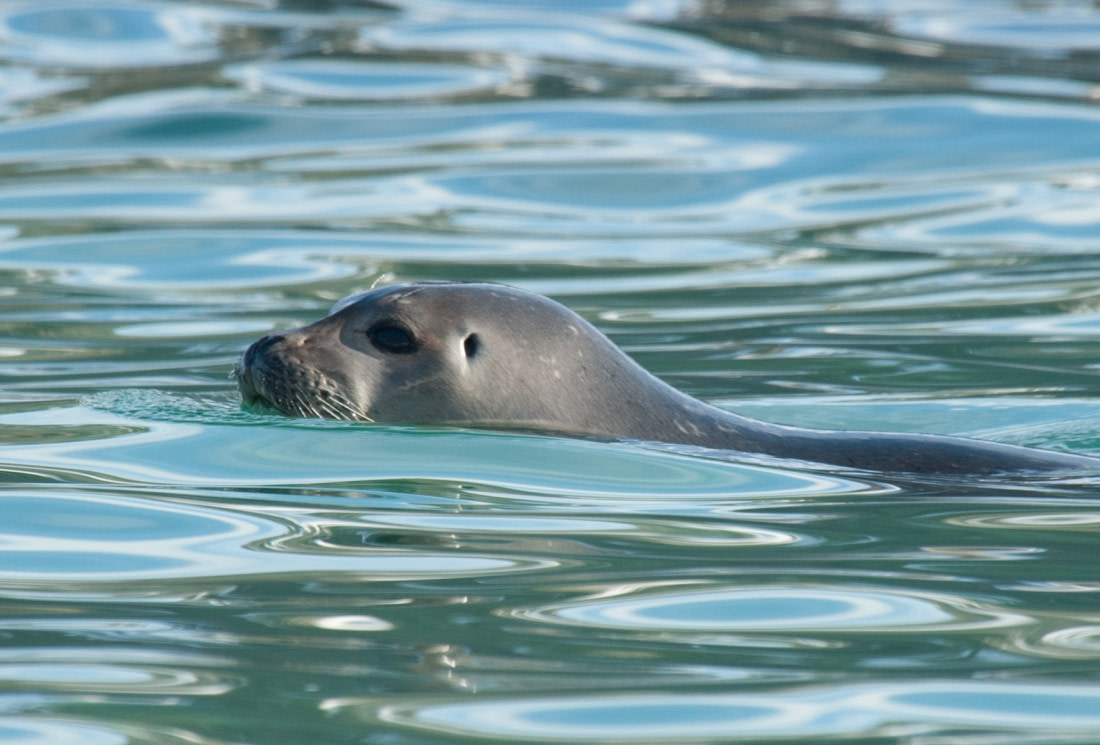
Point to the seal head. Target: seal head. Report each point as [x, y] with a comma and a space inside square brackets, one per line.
[454, 353]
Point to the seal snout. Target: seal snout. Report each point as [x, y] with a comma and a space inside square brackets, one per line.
[280, 372]
[249, 371]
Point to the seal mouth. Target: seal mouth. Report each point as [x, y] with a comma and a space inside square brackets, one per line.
[249, 382]
[259, 404]
[246, 386]
[242, 374]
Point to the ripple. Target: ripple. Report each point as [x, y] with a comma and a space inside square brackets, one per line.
[775, 609]
[101, 678]
[817, 202]
[18, 85]
[362, 81]
[92, 36]
[598, 51]
[558, 36]
[878, 710]
[184, 261]
[611, 167]
[65, 541]
[1033, 520]
[497, 524]
[350, 623]
[119, 630]
[203, 200]
[1069, 643]
[1062, 327]
[56, 730]
[104, 669]
[506, 588]
[1051, 29]
[145, 404]
[245, 259]
[190, 329]
[665, 532]
[317, 452]
[1068, 326]
[1058, 213]
[662, 193]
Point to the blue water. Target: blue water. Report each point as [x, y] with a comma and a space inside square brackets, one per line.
[855, 215]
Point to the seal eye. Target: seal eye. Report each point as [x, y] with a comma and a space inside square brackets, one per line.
[391, 337]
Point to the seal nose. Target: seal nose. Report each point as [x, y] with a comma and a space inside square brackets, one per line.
[260, 347]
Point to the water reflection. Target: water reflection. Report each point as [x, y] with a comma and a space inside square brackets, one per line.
[937, 707]
[694, 608]
[758, 175]
[229, 262]
[1056, 30]
[664, 532]
[1038, 520]
[351, 624]
[84, 671]
[54, 730]
[103, 36]
[27, 85]
[356, 81]
[125, 540]
[734, 191]
[570, 44]
[319, 452]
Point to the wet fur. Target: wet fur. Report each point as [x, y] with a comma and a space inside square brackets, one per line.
[539, 366]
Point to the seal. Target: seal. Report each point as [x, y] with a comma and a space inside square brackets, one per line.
[488, 355]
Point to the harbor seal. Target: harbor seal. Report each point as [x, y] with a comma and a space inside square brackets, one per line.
[488, 355]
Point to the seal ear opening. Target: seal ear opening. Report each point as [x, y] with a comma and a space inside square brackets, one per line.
[470, 345]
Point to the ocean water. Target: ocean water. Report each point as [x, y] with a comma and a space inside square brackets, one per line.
[877, 215]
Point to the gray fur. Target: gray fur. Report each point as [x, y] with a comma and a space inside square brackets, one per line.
[539, 366]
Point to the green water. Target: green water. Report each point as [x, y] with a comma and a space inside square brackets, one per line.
[879, 216]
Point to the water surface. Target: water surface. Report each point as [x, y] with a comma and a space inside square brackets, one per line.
[857, 215]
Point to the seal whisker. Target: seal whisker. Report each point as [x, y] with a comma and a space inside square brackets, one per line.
[331, 404]
[327, 406]
[338, 405]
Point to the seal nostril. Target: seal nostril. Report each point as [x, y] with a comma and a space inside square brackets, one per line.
[260, 347]
[270, 340]
[470, 345]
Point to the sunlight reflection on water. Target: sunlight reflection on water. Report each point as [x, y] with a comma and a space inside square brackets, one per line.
[777, 609]
[862, 215]
[934, 706]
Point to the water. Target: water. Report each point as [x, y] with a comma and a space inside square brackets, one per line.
[874, 215]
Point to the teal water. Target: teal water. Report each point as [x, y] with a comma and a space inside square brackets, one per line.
[872, 215]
